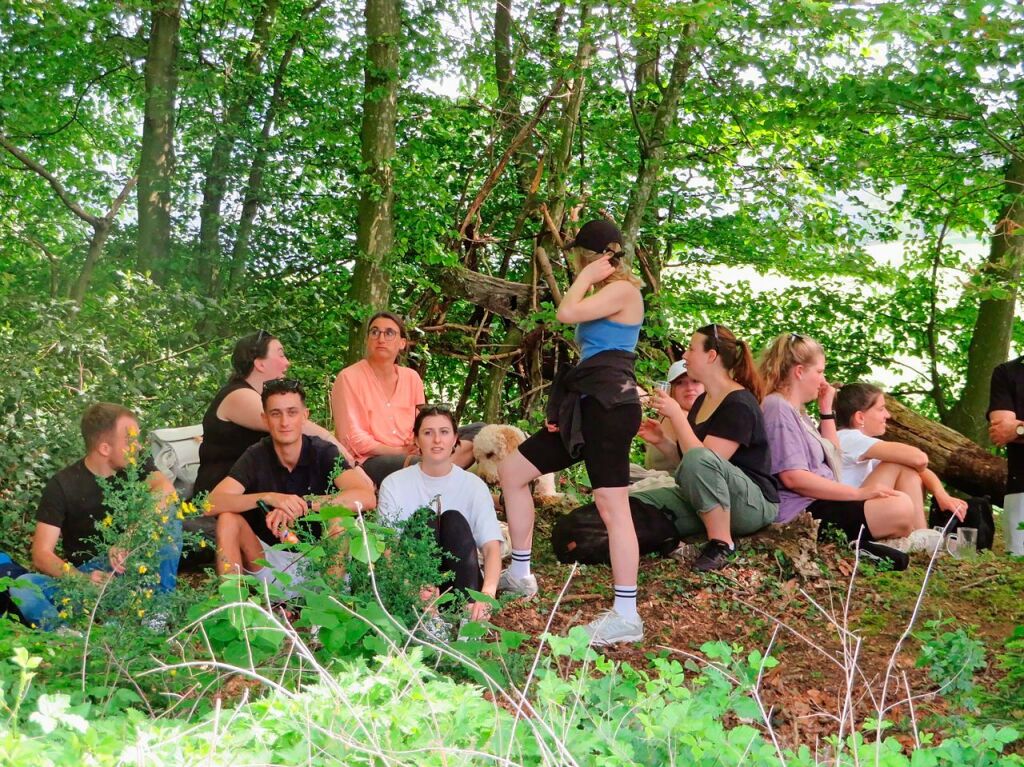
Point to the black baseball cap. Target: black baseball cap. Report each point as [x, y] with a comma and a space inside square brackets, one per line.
[596, 235]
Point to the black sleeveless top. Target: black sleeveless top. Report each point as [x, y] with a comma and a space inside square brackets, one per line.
[223, 442]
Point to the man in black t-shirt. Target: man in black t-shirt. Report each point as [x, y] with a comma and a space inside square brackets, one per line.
[1006, 427]
[72, 506]
[282, 470]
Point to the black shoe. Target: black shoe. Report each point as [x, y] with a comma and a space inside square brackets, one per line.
[876, 552]
[713, 556]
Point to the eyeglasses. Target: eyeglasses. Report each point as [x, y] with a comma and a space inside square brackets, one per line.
[282, 386]
[388, 333]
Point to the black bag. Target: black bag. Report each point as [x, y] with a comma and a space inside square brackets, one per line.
[580, 536]
[979, 515]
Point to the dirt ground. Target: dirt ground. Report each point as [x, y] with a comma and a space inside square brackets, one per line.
[762, 599]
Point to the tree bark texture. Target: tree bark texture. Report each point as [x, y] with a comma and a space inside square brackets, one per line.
[958, 461]
[156, 163]
[252, 197]
[239, 98]
[990, 342]
[652, 146]
[375, 224]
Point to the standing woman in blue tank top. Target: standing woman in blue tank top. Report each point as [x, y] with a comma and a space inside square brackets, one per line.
[593, 414]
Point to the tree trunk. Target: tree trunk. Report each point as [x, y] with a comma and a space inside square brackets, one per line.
[375, 226]
[156, 164]
[652, 146]
[251, 199]
[238, 103]
[958, 461]
[990, 341]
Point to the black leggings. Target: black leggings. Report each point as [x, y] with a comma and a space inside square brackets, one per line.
[460, 564]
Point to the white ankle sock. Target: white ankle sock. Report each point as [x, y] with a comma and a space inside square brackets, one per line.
[520, 563]
[625, 601]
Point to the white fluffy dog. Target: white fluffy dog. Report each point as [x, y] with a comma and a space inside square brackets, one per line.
[492, 444]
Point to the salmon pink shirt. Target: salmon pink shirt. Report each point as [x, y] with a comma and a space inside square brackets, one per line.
[369, 417]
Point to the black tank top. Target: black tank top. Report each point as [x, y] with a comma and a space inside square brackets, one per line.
[223, 442]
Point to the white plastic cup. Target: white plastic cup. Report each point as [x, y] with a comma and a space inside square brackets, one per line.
[963, 544]
[1013, 515]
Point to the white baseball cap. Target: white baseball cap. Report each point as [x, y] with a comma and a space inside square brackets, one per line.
[677, 369]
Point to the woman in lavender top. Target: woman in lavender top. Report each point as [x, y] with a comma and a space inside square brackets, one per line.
[805, 457]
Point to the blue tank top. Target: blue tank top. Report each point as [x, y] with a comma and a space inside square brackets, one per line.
[596, 336]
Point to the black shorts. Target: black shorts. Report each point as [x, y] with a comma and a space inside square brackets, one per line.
[607, 436]
[848, 516]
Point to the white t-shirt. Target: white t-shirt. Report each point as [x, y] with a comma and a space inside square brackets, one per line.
[409, 489]
[856, 467]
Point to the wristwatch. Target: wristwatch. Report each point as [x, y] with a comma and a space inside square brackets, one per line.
[1020, 429]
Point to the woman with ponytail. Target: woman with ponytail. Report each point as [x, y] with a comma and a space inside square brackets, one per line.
[725, 477]
[806, 457]
[592, 415]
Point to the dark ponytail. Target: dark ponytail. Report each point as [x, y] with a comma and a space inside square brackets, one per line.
[736, 357]
[247, 350]
[852, 399]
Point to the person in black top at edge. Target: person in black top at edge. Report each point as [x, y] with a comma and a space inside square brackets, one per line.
[234, 420]
[283, 471]
[71, 507]
[725, 476]
[1006, 427]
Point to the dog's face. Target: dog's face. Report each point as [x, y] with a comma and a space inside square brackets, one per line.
[491, 445]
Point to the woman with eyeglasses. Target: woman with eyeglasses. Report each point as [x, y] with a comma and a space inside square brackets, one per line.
[463, 517]
[725, 476]
[233, 421]
[375, 400]
[593, 414]
[806, 457]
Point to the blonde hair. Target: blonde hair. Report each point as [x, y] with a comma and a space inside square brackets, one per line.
[583, 256]
[785, 353]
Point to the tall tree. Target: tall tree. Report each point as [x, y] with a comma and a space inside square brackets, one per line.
[375, 225]
[156, 163]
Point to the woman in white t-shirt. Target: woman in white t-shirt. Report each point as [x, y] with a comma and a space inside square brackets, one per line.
[465, 520]
[868, 461]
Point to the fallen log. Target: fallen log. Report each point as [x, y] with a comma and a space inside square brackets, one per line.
[502, 297]
[959, 462]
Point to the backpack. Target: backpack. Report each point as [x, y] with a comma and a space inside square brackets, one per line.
[978, 515]
[580, 536]
[176, 454]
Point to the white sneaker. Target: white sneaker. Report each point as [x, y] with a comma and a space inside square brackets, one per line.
[525, 586]
[926, 540]
[611, 628]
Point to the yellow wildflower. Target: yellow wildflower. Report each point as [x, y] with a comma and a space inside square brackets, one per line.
[131, 460]
[133, 432]
[207, 506]
[172, 499]
[142, 569]
[163, 518]
[66, 567]
[180, 515]
[62, 614]
[108, 521]
[202, 543]
[66, 601]
[156, 536]
[148, 593]
[141, 612]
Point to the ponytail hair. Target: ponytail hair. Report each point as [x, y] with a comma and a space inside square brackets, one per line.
[785, 353]
[736, 357]
[853, 398]
[247, 350]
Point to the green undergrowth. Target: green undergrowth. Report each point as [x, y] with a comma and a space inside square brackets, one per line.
[396, 709]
